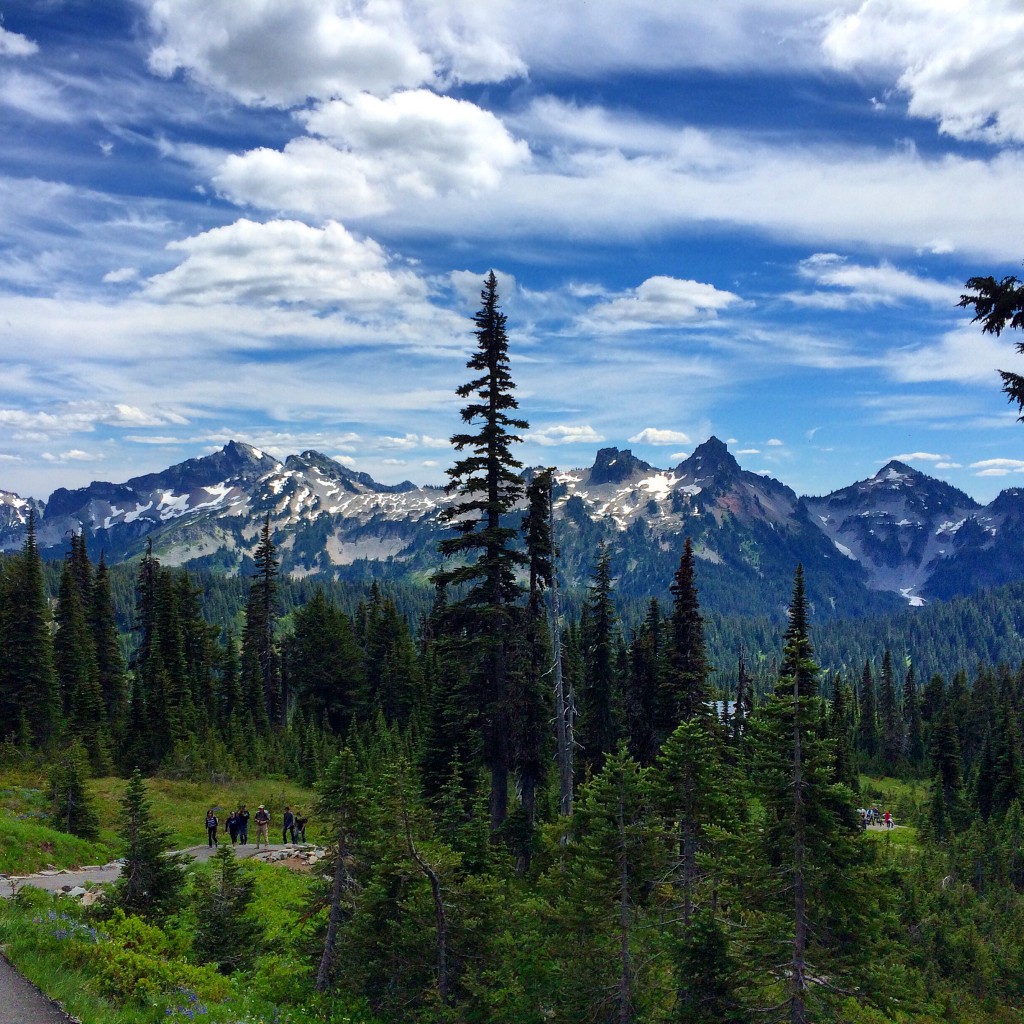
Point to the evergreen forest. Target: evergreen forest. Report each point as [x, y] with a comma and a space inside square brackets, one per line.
[536, 805]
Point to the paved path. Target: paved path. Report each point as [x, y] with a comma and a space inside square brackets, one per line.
[54, 881]
[22, 1003]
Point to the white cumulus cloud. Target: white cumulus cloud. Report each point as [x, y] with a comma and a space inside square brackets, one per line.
[284, 261]
[654, 435]
[660, 302]
[565, 434]
[960, 63]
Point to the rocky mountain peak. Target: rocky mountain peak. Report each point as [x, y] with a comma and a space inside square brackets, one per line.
[613, 466]
[711, 460]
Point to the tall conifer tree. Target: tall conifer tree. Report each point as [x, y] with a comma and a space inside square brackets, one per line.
[687, 693]
[487, 487]
[29, 689]
[260, 660]
[600, 710]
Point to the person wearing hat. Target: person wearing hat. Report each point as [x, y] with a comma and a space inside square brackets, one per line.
[262, 820]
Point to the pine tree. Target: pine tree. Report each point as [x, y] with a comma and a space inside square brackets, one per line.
[29, 686]
[600, 700]
[110, 666]
[642, 695]
[394, 678]
[260, 660]
[947, 772]
[687, 692]
[152, 882]
[532, 710]
[615, 854]
[71, 809]
[488, 487]
[1008, 767]
[815, 892]
[914, 719]
[327, 668]
[228, 931]
[75, 662]
[867, 723]
[889, 720]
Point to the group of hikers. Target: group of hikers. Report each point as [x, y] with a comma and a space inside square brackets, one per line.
[237, 823]
[872, 816]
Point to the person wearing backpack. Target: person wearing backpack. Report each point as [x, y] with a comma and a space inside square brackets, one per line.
[262, 826]
[211, 827]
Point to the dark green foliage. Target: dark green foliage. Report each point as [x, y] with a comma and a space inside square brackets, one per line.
[71, 810]
[643, 686]
[28, 685]
[488, 487]
[228, 928]
[325, 667]
[998, 305]
[261, 670]
[599, 701]
[686, 692]
[110, 665]
[811, 878]
[152, 883]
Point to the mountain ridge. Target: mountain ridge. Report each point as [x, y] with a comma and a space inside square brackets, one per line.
[898, 532]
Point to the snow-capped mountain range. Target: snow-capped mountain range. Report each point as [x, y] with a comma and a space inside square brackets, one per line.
[900, 532]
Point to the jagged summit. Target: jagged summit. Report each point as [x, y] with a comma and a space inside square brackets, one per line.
[899, 531]
[710, 460]
[613, 466]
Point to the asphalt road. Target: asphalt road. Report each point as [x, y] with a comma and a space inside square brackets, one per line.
[22, 1003]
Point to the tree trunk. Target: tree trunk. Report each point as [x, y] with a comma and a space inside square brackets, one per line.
[323, 974]
[798, 980]
[563, 708]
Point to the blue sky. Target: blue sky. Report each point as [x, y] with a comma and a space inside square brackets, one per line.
[269, 220]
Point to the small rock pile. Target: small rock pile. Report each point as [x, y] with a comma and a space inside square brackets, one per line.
[295, 858]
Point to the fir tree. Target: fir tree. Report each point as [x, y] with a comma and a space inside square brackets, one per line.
[889, 721]
[947, 772]
[867, 722]
[815, 892]
[600, 699]
[913, 716]
[110, 666]
[488, 487]
[152, 881]
[228, 931]
[71, 809]
[29, 685]
[687, 693]
[260, 661]
[641, 699]
[75, 662]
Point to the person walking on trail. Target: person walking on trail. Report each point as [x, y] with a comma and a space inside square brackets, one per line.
[887, 818]
[242, 817]
[262, 826]
[288, 829]
[211, 827]
[232, 824]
